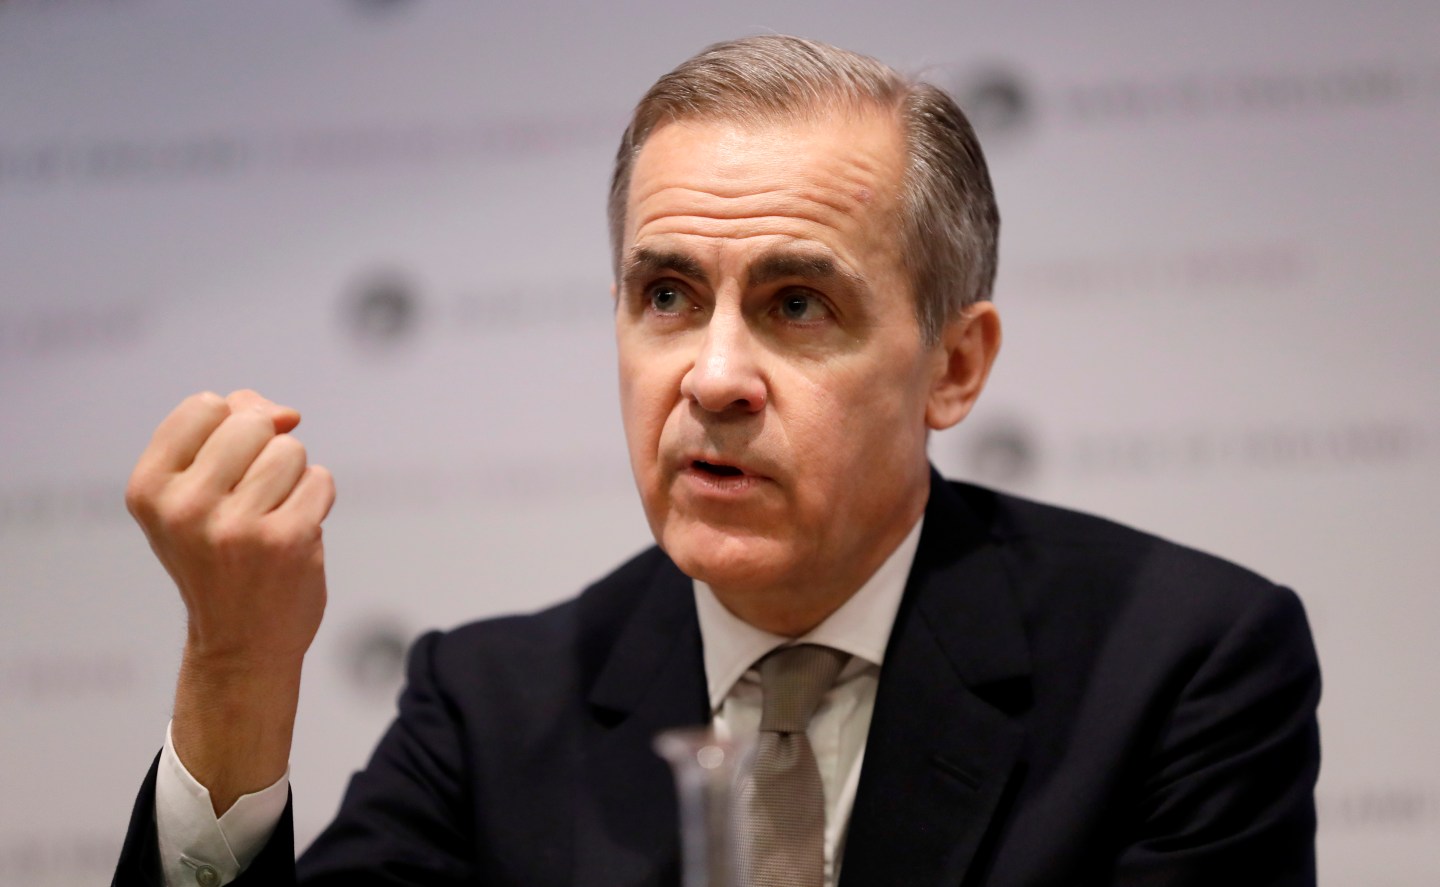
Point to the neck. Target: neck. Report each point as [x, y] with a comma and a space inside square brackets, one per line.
[795, 607]
[785, 613]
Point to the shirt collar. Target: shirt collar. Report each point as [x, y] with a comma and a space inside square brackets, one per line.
[861, 627]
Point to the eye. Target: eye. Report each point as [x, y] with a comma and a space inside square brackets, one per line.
[667, 298]
[801, 306]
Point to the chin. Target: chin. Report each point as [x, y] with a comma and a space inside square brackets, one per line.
[729, 560]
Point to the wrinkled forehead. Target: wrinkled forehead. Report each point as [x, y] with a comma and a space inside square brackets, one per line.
[851, 161]
[814, 198]
[748, 113]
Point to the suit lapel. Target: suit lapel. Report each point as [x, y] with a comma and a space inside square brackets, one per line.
[652, 680]
[942, 743]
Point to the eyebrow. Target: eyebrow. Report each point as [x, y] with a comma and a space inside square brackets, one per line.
[644, 262]
[803, 265]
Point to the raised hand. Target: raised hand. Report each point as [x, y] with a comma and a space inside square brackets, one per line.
[233, 512]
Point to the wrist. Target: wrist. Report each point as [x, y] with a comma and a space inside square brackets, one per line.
[235, 690]
[233, 665]
[233, 722]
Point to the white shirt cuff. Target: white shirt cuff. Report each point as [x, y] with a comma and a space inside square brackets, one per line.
[196, 848]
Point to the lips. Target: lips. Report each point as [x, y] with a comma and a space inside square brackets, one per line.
[717, 469]
[709, 465]
[714, 483]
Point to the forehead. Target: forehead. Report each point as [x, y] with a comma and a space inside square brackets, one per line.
[834, 179]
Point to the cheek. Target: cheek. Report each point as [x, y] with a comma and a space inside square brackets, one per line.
[647, 394]
[818, 425]
[631, 365]
[637, 408]
[861, 419]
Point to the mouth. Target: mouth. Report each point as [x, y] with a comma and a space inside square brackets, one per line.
[716, 469]
[708, 476]
[718, 474]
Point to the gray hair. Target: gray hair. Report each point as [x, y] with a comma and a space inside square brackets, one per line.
[949, 223]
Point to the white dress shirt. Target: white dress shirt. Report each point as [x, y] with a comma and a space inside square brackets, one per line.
[840, 726]
[197, 849]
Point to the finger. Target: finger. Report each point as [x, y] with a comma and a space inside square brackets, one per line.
[182, 433]
[228, 452]
[285, 418]
[272, 475]
[312, 497]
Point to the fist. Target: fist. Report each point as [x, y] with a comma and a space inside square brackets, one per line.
[233, 512]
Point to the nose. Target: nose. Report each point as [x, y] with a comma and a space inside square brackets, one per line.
[725, 376]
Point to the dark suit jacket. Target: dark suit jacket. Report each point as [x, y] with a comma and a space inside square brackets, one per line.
[1064, 701]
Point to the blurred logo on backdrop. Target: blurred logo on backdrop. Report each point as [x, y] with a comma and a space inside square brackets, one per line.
[998, 101]
[382, 309]
[1199, 449]
[57, 330]
[68, 676]
[1243, 269]
[379, 6]
[1256, 92]
[373, 656]
[61, 5]
[67, 503]
[1003, 104]
[1008, 451]
[1002, 451]
[386, 308]
[1381, 808]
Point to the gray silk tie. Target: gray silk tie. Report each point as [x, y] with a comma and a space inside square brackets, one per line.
[782, 809]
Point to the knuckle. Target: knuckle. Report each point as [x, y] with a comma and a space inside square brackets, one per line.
[246, 398]
[182, 514]
[284, 538]
[206, 402]
[227, 532]
[288, 448]
[324, 479]
[275, 536]
[247, 425]
[249, 418]
[140, 494]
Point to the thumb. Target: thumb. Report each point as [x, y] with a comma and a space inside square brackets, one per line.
[285, 418]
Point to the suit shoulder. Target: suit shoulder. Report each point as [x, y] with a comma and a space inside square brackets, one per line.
[557, 630]
[1090, 590]
[1050, 547]
[1015, 520]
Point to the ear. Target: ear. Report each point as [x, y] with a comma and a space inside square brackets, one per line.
[966, 351]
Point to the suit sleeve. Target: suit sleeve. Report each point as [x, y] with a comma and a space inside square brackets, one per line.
[401, 821]
[1229, 791]
[139, 864]
[404, 818]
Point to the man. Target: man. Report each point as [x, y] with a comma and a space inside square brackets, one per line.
[804, 246]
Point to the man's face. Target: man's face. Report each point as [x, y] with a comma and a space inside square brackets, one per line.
[773, 378]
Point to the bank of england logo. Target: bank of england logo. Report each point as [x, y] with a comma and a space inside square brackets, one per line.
[374, 656]
[382, 308]
[998, 101]
[378, 7]
[1003, 452]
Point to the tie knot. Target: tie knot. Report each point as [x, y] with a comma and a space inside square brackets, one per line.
[793, 680]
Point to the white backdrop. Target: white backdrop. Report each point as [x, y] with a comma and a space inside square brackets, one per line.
[1218, 279]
